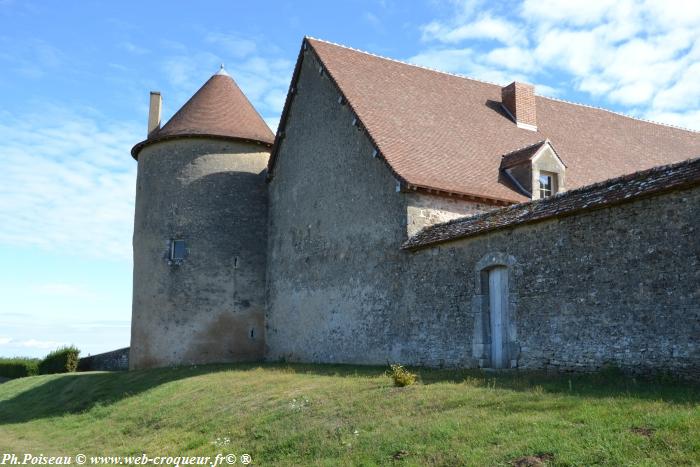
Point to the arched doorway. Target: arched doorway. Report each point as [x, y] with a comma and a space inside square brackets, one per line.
[495, 343]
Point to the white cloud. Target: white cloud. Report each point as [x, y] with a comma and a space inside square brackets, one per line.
[39, 344]
[58, 289]
[263, 79]
[514, 58]
[233, 45]
[273, 123]
[451, 60]
[485, 27]
[31, 343]
[639, 56]
[133, 48]
[577, 12]
[68, 183]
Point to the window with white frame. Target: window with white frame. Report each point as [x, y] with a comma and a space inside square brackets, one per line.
[547, 184]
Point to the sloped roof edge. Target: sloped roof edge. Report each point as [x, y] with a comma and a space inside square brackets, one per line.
[471, 78]
[520, 155]
[285, 112]
[288, 101]
[157, 139]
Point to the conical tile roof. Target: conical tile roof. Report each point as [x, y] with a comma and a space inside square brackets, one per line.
[218, 109]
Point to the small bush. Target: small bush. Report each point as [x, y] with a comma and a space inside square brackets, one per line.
[401, 376]
[63, 360]
[18, 367]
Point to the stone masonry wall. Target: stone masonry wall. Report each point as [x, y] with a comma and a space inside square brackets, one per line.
[116, 360]
[423, 210]
[615, 286]
[210, 308]
[335, 231]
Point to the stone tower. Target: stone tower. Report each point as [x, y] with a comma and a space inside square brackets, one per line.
[200, 231]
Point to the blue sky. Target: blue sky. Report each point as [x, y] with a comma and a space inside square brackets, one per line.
[74, 86]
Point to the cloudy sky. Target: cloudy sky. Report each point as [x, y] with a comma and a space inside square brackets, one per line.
[74, 89]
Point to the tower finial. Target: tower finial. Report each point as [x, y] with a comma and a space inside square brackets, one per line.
[222, 71]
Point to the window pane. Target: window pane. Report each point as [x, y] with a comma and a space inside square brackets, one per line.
[545, 182]
[545, 186]
[178, 249]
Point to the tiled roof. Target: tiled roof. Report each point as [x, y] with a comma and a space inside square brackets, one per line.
[521, 155]
[218, 109]
[610, 192]
[446, 132]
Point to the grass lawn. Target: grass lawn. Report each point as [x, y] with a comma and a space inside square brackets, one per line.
[346, 415]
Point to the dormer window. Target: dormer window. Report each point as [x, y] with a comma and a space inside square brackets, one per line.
[536, 171]
[547, 188]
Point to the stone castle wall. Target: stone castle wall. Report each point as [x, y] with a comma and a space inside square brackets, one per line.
[614, 286]
[210, 308]
[116, 360]
[617, 286]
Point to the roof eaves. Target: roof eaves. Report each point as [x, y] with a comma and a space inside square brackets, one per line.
[157, 139]
[524, 213]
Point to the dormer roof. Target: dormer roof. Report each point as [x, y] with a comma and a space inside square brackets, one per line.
[526, 154]
[218, 109]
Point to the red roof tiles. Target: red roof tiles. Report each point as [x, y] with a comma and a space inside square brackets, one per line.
[219, 109]
[448, 133]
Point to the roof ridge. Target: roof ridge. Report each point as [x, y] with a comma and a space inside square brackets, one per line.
[443, 72]
[458, 75]
[621, 114]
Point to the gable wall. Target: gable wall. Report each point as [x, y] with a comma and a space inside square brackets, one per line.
[423, 210]
[336, 223]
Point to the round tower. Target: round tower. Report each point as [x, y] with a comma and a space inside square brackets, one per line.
[200, 232]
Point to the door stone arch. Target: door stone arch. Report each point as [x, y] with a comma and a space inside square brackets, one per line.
[502, 265]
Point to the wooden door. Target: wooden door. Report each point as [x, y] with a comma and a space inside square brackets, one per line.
[498, 305]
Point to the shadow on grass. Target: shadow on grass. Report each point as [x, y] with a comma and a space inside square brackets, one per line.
[57, 395]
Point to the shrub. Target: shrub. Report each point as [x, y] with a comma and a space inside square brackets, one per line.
[18, 367]
[401, 376]
[62, 360]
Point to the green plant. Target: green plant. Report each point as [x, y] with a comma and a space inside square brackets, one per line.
[18, 367]
[62, 360]
[401, 376]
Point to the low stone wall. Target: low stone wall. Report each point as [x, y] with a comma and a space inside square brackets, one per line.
[116, 360]
[618, 286]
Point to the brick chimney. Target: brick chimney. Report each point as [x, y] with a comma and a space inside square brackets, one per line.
[519, 101]
[154, 108]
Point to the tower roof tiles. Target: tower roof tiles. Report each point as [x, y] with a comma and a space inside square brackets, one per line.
[218, 109]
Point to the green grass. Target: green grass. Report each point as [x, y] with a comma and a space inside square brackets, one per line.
[345, 415]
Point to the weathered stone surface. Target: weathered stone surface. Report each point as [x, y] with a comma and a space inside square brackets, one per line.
[616, 286]
[116, 360]
[423, 210]
[210, 308]
[619, 285]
